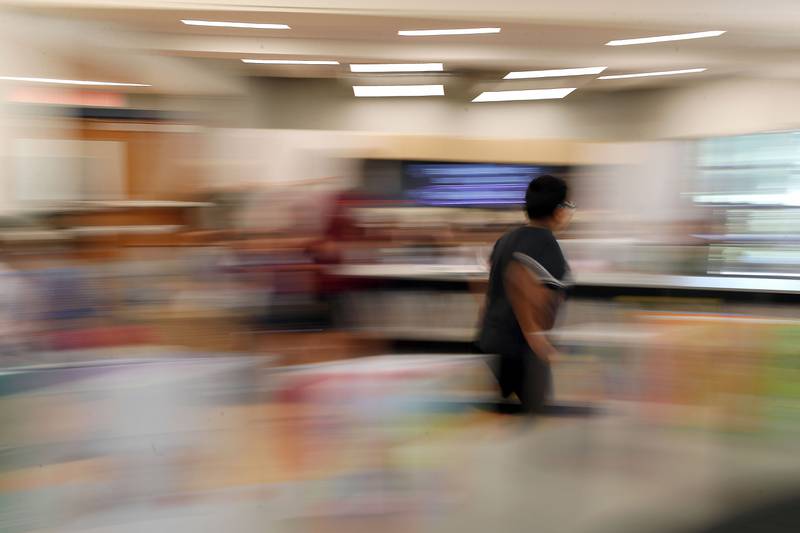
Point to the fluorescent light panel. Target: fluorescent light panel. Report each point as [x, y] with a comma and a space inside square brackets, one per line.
[531, 94]
[555, 73]
[398, 90]
[290, 62]
[665, 38]
[398, 67]
[456, 31]
[74, 82]
[646, 74]
[249, 25]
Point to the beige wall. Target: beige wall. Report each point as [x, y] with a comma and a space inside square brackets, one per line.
[330, 105]
[723, 107]
[720, 107]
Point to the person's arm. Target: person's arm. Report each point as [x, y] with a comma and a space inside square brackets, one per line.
[478, 287]
[530, 301]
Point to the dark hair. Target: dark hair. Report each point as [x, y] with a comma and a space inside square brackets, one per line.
[544, 195]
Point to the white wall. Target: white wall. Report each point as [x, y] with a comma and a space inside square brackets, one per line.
[637, 181]
[258, 156]
[18, 57]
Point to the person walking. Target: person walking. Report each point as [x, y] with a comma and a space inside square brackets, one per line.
[527, 283]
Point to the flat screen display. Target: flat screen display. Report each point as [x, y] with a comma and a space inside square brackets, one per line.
[470, 184]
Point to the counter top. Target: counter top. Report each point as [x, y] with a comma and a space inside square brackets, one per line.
[476, 273]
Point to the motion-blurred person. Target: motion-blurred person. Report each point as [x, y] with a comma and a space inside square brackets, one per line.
[339, 234]
[526, 285]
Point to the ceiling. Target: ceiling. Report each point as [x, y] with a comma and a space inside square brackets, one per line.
[761, 40]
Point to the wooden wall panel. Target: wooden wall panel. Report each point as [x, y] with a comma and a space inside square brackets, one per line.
[440, 148]
[161, 163]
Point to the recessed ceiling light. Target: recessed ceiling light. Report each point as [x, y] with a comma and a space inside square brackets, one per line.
[456, 31]
[398, 67]
[556, 73]
[250, 25]
[665, 38]
[646, 74]
[398, 90]
[531, 94]
[290, 62]
[74, 82]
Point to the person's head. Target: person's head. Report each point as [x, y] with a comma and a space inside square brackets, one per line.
[546, 202]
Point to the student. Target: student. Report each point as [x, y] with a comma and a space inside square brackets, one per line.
[527, 281]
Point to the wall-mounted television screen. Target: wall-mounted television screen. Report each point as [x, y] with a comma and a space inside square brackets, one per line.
[470, 184]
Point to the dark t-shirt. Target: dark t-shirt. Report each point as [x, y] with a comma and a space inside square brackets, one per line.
[537, 250]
